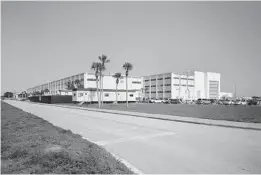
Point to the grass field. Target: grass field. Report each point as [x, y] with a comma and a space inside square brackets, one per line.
[251, 114]
[33, 145]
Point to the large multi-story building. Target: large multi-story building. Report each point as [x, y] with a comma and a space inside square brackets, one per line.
[87, 88]
[186, 85]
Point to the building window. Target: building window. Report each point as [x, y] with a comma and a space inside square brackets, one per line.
[80, 94]
[167, 84]
[160, 78]
[85, 93]
[91, 79]
[167, 91]
[160, 91]
[146, 80]
[153, 79]
[136, 82]
[131, 95]
[147, 86]
[153, 92]
[153, 85]
[167, 78]
[106, 94]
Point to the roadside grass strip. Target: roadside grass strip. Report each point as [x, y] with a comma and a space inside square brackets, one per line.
[31, 145]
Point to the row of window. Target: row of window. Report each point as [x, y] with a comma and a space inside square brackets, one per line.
[158, 79]
[170, 85]
[106, 94]
[170, 78]
[154, 92]
[134, 82]
[183, 78]
[189, 85]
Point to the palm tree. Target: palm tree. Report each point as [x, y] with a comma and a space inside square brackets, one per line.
[117, 76]
[127, 67]
[46, 90]
[104, 59]
[97, 67]
[69, 85]
[77, 83]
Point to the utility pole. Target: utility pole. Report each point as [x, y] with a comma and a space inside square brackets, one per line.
[179, 84]
[235, 91]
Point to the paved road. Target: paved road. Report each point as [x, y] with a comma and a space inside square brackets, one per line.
[156, 146]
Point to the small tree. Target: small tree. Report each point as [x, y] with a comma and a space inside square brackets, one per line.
[77, 83]
[46, 90]
[69, 85]
[118, 77]
[127, 67]
[8, 94]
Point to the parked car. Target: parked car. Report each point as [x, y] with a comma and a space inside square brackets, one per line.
[227, 102]
[240, 102]
[188, 101]
[213, 101]
[175, 101]
[167, 101]
[252, 102]
[155, 101]
[203, 101]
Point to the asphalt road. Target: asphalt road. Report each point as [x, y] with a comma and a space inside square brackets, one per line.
[156, 146]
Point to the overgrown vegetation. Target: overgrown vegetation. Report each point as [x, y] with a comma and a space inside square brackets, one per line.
[33, 145]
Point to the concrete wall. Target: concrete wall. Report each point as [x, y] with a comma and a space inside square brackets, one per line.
[109, 82]
[200, 90]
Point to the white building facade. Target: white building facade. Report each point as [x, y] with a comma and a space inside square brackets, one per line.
[87, 88]
[190, 85]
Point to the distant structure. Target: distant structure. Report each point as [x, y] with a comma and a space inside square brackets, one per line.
[188, 85]
[225, 95]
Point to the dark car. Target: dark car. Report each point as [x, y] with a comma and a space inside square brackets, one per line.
[175, 101]
[203, 101]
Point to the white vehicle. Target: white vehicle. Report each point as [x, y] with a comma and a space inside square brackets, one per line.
[156, 101]
[227, 102]
[241, 102]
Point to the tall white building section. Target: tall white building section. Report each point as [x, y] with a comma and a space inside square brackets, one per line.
[186, 85]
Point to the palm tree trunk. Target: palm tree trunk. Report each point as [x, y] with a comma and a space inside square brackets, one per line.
[97, 84]
[116, 93]
[100, 89]
[126, 91]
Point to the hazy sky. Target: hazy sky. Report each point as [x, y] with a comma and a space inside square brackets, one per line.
[44, 41]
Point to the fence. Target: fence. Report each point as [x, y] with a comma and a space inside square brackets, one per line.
[52, 99]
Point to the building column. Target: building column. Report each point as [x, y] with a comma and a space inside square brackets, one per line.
[163, 86]
[156, 89]
[179, 84]
[150, 89]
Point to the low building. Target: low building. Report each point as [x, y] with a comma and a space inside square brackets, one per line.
[86, 88]
[188, 85]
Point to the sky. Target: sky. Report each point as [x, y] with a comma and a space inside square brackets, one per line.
[45, 41]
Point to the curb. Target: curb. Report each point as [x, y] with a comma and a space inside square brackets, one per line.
[166, 119]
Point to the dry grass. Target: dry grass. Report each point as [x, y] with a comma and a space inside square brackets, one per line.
[33, 145]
